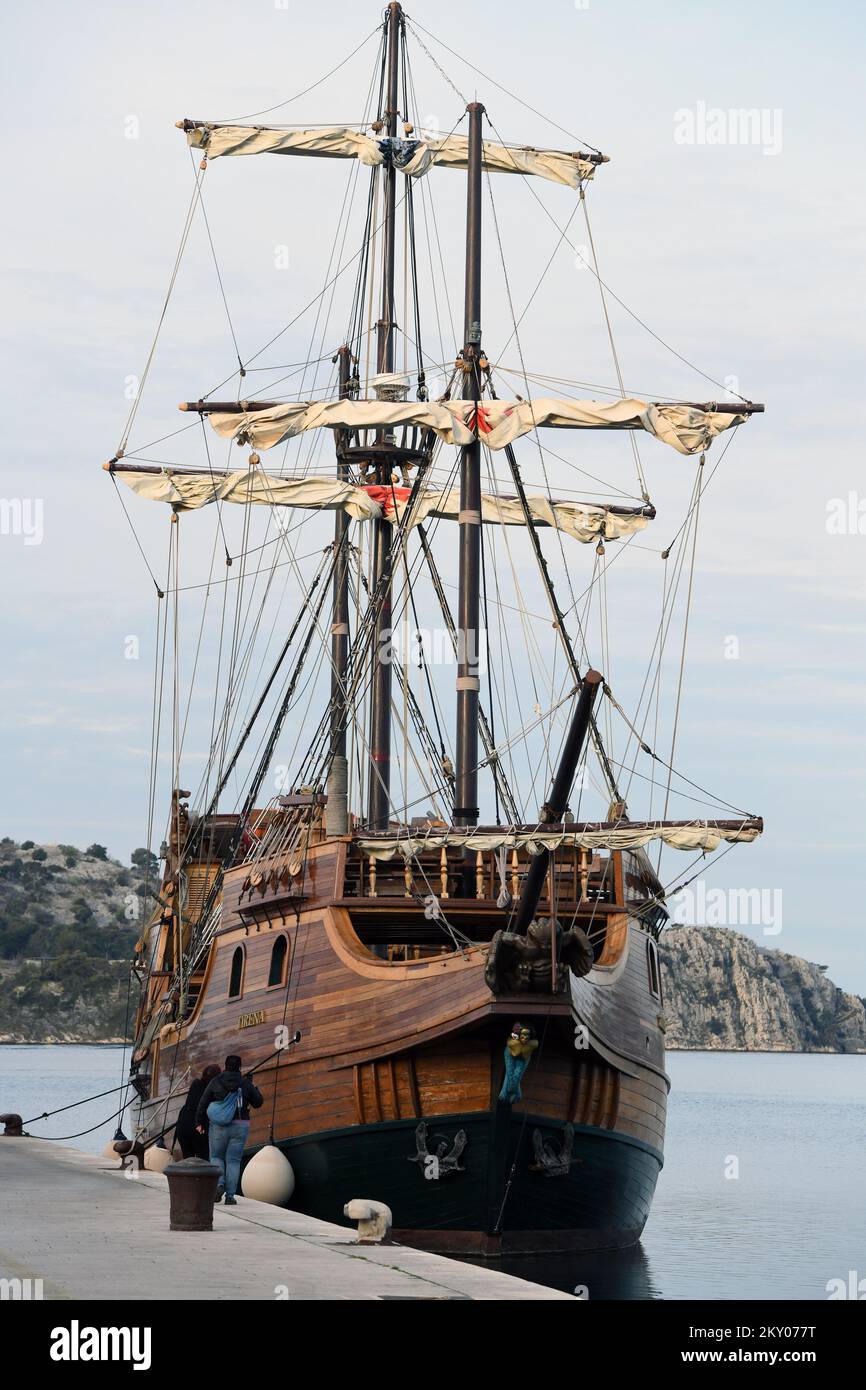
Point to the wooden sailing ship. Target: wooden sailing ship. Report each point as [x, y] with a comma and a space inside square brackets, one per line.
[459, 1015]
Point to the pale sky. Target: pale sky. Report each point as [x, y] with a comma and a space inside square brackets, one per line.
[746, 257]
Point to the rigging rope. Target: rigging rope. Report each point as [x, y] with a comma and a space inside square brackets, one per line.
[698, 486]
[632, 439]
[216, 265]
[603, 283]
[160, 593]
[233, 120]
[187, 226]
[488, 78]
[645, 748]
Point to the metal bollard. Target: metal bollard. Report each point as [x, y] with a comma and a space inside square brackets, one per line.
[192, 1185]
[373, 1218]
[12, 1126]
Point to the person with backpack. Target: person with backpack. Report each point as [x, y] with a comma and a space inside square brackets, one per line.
[225, 1104]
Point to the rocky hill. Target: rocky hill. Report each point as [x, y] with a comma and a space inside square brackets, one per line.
[69, 919]
[723, 991]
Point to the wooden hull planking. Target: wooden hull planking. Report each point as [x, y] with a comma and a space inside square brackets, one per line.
[386, 1045]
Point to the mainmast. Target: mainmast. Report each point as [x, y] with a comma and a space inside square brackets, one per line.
[337, 813]
[378, 804]
[468, 638]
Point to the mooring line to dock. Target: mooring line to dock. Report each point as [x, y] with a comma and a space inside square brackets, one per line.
[61, 1138]
[46, 1114]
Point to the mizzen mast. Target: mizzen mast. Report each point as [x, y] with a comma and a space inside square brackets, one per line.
[378, 803]
[337, 813]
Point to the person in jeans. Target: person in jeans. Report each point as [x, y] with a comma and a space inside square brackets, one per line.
[228, 1141]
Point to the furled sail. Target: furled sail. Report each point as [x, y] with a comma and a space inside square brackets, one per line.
[187, 490]
[689, 429]
[581, 520]
[413, 157]
[685, 835]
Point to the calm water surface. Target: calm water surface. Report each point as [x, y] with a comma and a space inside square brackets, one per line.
[36, 1079]
[793, 1219]
[793, 1127]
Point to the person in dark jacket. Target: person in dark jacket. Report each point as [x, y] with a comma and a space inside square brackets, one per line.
[227, 1142]
[192, 1143]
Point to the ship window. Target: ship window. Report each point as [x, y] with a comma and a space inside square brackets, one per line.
[279, 951]
[237, 975]
[652, 955]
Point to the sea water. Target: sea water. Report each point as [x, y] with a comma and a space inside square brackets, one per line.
[763, 1192]
[762, 1196]
[38, 1079]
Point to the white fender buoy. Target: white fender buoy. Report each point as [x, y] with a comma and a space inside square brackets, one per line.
[269, 1177]
[118, 1138]
[157, 1159]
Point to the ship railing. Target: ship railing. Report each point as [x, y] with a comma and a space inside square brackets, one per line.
[575, 876]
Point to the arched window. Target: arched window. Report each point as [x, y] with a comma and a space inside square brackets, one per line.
[279, 952]
[236, 978]
[652, 956]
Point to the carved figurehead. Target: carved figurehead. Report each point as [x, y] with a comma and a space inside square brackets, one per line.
[518, 963]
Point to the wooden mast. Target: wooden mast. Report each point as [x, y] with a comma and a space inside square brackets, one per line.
[239, 407]
[468, 611]
[337, 810]
[378, 803]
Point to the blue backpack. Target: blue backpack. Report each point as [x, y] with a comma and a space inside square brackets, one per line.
[222, 1112]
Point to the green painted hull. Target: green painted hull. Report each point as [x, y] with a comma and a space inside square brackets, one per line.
[497, 1203]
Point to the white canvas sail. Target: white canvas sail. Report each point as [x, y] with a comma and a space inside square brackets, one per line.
[691, 835]
[188, 491]
[414, 157]
[688, 429]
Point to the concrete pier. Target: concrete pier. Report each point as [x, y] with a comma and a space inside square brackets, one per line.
[88, 1231]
